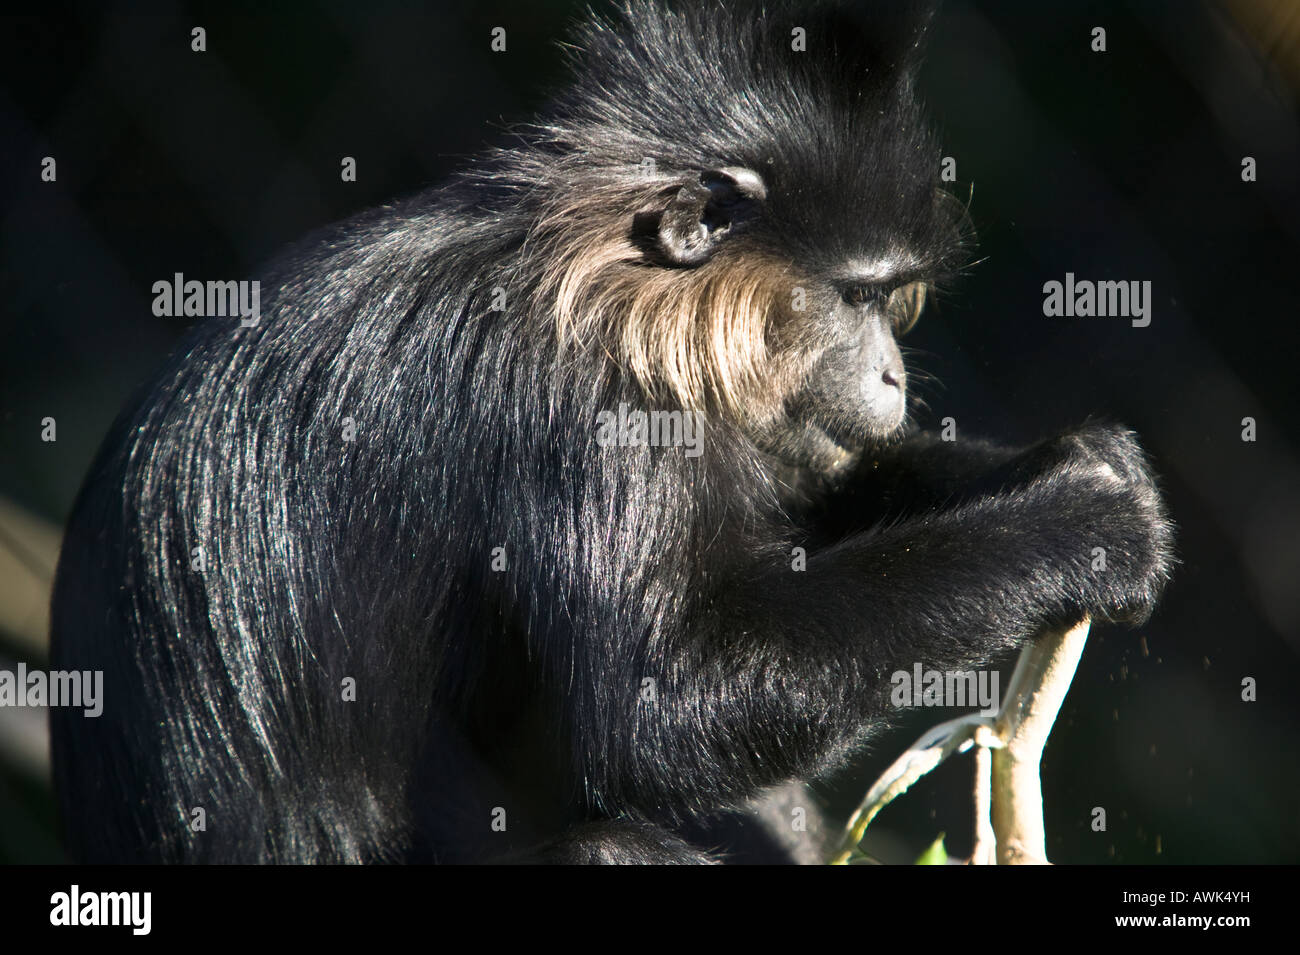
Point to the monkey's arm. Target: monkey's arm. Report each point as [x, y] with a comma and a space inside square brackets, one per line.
[924, 473]
[786, 669]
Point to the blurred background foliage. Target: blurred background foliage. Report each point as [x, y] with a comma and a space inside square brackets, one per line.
[1117, 165]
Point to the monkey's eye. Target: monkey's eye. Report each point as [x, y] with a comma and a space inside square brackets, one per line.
[863, 293]
[901, 305]
[904, 306]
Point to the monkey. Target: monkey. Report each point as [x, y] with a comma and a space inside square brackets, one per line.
[366, 585]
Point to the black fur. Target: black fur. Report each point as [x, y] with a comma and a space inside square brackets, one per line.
[520, 689]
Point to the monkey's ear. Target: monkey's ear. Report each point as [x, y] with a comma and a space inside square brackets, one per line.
[705, 211]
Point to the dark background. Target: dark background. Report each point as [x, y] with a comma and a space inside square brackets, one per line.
[1117, 165]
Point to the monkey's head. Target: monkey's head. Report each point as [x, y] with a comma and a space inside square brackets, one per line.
[743, 209]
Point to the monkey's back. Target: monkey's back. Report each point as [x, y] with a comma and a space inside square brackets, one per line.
[270, 549]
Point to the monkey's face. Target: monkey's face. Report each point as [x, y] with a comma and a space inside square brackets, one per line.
[831, 307]
[856, 391]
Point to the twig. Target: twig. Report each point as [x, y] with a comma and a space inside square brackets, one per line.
[985, 851]
[1038, 687]
[954, 736]
[1008, 789]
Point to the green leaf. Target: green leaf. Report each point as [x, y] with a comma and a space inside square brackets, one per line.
[935, 855]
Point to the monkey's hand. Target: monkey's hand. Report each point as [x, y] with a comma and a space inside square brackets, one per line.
[1104, 492]
[1104, 450]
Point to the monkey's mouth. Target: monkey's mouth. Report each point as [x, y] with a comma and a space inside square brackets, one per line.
[804, 444]
[833, 453]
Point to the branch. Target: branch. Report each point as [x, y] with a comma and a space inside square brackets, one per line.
[954, 736]
[1007, 785]
[1038, 687]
